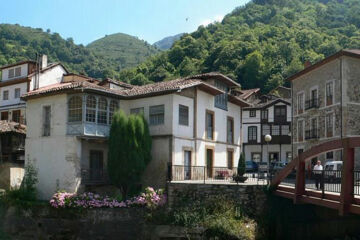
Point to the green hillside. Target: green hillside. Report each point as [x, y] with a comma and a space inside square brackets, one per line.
[259, 44]
[125, 50]
[104, 58]
[166, 43]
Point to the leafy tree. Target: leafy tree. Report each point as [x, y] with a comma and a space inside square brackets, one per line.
[129, 151]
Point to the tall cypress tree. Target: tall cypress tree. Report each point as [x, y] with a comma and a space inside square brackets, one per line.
[129, 151]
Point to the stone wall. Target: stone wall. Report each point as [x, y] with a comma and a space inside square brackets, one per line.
[251, 197]
[47, 223]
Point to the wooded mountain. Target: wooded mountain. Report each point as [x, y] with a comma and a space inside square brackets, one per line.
[260, 43]
[166, 43]
[125, 50]
[103, 58]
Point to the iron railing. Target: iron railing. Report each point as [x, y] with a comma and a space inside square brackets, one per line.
[94, 177]
[204, 174]
[325, 180]
[312, 134]
[357, 182]
[312, 103]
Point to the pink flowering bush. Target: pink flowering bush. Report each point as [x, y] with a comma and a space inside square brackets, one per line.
[150, 199]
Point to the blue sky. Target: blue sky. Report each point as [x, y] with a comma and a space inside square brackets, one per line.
[88, 20]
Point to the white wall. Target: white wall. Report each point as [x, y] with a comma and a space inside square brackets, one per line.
[24, 72]
[51, 76]
[11, 88]
[57, 157]
[182, 130]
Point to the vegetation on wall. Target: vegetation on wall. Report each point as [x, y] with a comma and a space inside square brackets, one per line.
[259, 44]
[129, 151]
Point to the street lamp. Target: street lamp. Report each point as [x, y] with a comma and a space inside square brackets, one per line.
[267, 140]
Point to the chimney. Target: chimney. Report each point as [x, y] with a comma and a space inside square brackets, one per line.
[307, 64]
[44, 61]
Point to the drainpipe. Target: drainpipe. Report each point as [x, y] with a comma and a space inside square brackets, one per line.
[292, 121]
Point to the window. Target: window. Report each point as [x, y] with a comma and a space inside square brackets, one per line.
[18, 72]
[16, 115]
[329, 125]
[90, 108]
[139, 110]
[230, 130]
[275, 130]
[230, 159]
[256, 157]
[5, 116]
[329, 93]
[156, 115]
[266, 130]
[75, 109]
[288, 157]
[300, 130]
[221, 100]
[11, 73]
[264, 114]
[280, 114]
[252, 134]
[183, 115]
[17, 93]
[252, 113]
[329, 155]
[114, 106]
[300, 103]
[6, 95]
[102, 111]
[274, 157]
[209, 125]
[46, 120]
[285, 130]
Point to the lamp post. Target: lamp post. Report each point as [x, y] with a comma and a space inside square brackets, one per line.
[267, 140]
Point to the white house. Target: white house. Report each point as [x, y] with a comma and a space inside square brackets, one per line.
[268, 115]
[22, 77]
[16, 80]
[194, 123]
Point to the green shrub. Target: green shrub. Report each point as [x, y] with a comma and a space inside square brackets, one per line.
[25, 195]
[241, 165]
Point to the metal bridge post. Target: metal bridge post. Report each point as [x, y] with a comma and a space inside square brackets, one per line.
[300, 180]
[347, 178]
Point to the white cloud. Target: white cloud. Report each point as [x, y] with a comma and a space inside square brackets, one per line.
[217, 18]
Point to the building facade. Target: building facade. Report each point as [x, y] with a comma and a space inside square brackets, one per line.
[326, 103]
[268, 115]
[194, 122]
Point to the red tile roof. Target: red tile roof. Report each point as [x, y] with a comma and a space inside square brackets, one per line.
[6, 127]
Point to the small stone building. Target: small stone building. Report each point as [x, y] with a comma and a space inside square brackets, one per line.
[326, 103]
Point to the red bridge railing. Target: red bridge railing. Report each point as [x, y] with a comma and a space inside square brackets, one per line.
[345, 202]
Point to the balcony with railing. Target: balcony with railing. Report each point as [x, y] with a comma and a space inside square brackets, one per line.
[94, 177]
[312, 134]
[312, 103]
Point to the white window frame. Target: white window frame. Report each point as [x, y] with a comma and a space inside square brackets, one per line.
[333, 126]
[297, 102]
[333, 92]
[19, 89]
[316, 87]
[7, 95]
[303, 129]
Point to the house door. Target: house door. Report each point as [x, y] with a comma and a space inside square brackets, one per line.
[96, 165]
[187, 165]
[274, 157]
[209, 162]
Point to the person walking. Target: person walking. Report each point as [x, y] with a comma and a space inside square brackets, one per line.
[318, 168]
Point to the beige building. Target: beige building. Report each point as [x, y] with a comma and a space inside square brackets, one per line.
[326, 103]
[194, 121]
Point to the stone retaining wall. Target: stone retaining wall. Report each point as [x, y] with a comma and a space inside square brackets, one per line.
[251, 197]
